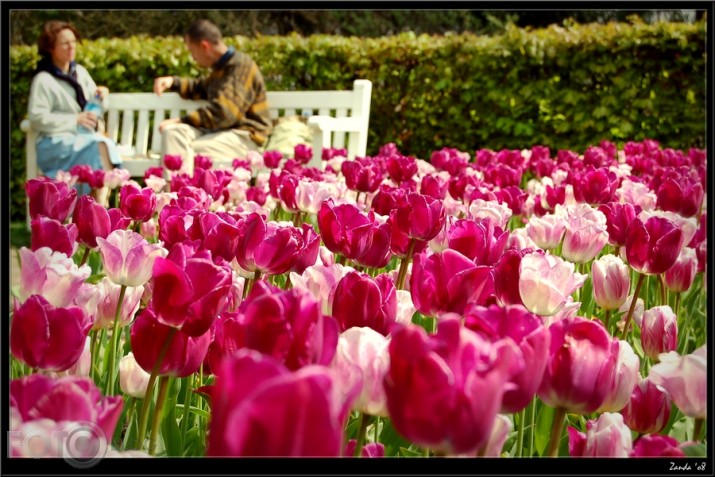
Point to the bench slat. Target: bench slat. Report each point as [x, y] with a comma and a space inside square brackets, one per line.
[142, 133]
[156, 135]
[127, 128]
[113, 124]
[339, 137]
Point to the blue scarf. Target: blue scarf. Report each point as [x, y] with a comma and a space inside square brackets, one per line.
[46, 64]
[224, 58]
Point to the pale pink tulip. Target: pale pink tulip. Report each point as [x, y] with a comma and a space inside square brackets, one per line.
[133, 380]
[607, 436]
[545, 282]
[685, 379]
[680, 276]
[624, 378]
[659, 331]
[611, 282]
[107, 304]
[51, 274]
[546, 231]
[128, 258]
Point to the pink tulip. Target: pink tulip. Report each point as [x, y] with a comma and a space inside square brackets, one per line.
[128, 258]
[137, 204]
[321, 281]
[133, 380]
[69, 398]
[479, 240]
[595, 186]
[172, 162]
[680, 276]
[344, 229]
[268, 247]
[260, 408]
[498, 213]
[184, 355]
[545, 282]
[434, 185]
[52, 234]
[680, 193]
[655, 445]
[447, 281]
[419, 216]
[46, 337]
[219, 233]
[188, 293]
[583, 240]
[362, 360]
[653, 247]
[50, 274]
[624, 378]
[581, 359]
[500, 432]
[546, 231]
[361, 300]
[289, 326]
[506, 276]
[648, 409]
[444, 391]
[685, 379]
[310, 195]
[526, 330]
[659, 331]
[106, 308]
[401, 168]
[607, 436]
[116, 177]
[611, 282]
[50, 198]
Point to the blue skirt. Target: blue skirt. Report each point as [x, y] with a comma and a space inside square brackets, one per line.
[60, 152]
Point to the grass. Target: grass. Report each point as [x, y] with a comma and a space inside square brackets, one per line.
[19, 235]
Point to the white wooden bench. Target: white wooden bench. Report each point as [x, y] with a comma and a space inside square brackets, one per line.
[337, 119]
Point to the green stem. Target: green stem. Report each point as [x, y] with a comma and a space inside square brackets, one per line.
[93, 355]
[520, 435]
[362, 433]
[641, 277]
[403, 265]
[697, 428]
[144, 416]
[531, 427]
[187, 405]
[163, 385]
[115, 342]
[663, 296]
[607, 319]
[377, 430]
[85, 256]
[677, 304]
[130, 415]
[556, 430]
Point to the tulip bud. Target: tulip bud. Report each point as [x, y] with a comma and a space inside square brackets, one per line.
[648, 409]
[680, 276]
[607, 436]
[132, 378]
[611, 282]
[659, 331]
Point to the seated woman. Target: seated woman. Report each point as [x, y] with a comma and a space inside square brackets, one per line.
[59, 91]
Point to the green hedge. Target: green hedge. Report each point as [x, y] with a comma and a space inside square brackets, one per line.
[563, 87]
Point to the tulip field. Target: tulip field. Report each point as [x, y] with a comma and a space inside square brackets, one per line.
[514, 304]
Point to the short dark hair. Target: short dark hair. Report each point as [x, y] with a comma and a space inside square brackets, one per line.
[203, 30]
[48, 37]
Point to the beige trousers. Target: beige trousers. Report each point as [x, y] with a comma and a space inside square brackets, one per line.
[187, 141]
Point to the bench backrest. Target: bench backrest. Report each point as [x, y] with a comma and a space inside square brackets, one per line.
[133, 118]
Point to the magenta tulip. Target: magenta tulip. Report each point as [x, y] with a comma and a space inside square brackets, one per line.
[444, 391]
[648, 409]
[420, 217]
[447, 281]
[528, 333]
[69, 398]
[506, 277]
[595, 186]
[344, 229]
[479, 240]
[362, 176]
[53, 234]
[184, 355]
[361, 300]
[92, 221]
[581, 360]
[267, 247]
[137, 204]
[680, 193]
[401, 168]
[189, 294]
[653, 247]
[172, 162]
[50, 198]
[618, 217]
[370, 450]
[656, 445]
[260, 408]
[46, 337]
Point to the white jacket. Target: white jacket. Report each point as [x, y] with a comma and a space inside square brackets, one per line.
[52, 107]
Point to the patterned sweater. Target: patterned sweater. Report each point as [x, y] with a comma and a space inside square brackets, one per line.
[237, 96]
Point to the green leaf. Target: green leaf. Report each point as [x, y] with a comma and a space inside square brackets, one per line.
[544, 422]
[695, 450]
[404, 451]
[391, 439]
[170, 432]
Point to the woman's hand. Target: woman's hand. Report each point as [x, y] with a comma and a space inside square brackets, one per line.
[87, 119]
[102, 91]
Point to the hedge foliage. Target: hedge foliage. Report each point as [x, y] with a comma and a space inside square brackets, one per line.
[565, 87]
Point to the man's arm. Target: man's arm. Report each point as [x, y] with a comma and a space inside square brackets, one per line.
[187, 88]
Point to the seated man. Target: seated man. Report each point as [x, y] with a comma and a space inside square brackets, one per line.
[235, 121]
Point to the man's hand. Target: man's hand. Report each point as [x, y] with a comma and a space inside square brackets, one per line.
[167, 122]
[162, 83]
